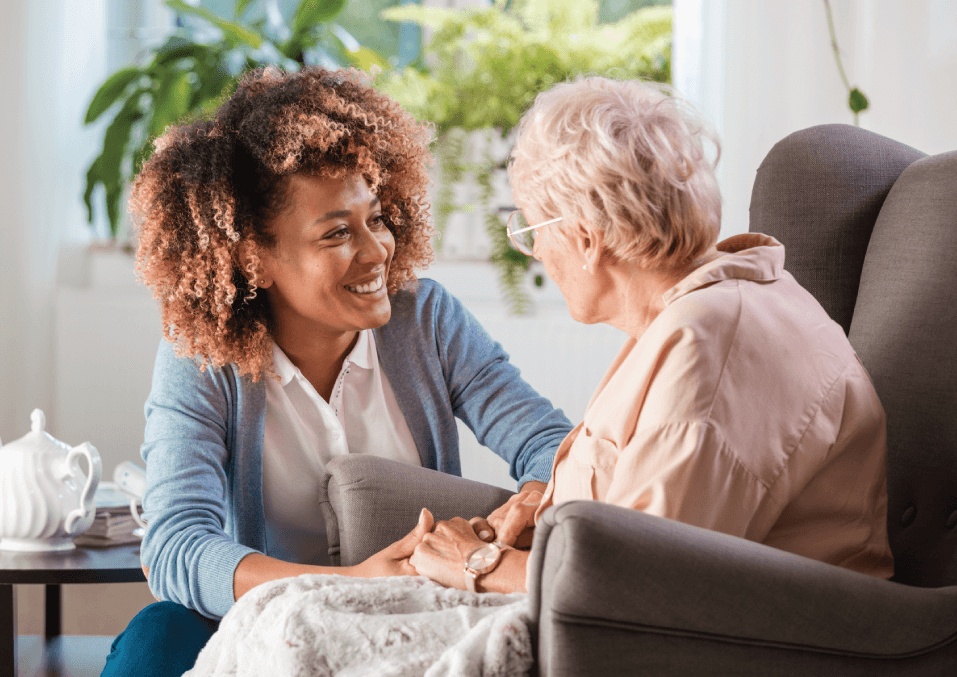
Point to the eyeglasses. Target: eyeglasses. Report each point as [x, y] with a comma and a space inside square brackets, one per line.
[521, 234]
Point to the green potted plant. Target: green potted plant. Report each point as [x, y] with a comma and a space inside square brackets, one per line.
[483, 67]
[187, 77]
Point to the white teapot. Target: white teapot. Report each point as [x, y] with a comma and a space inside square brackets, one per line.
[45, 498]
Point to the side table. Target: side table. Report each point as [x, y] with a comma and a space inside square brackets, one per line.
[117, 564]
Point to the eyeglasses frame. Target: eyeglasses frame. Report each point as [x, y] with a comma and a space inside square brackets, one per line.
[513, 233]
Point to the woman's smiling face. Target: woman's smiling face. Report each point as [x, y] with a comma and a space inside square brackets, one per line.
[326, 273]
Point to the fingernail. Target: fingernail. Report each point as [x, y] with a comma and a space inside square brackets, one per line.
[484, 534]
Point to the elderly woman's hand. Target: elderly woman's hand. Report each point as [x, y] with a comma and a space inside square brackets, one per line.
[441, 554]
[514, 522]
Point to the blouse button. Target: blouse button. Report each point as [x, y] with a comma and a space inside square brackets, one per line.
[908, 517]
[952, 520]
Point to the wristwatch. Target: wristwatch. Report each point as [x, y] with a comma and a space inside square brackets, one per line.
[481, 561]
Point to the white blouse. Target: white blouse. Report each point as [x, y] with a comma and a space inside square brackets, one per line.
[303, 432]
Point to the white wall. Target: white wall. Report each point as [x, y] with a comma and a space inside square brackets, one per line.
[52, 56]
[14, 210]
[55, 54]
[760, 70]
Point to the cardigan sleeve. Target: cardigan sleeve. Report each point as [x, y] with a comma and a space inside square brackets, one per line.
[190, 556]
[488, 393]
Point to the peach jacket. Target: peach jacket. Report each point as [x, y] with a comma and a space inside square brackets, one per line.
[742, 409]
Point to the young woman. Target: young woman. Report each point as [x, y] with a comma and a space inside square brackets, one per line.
[281, 240]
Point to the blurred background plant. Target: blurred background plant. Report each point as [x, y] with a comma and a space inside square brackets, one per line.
[195, 69]
[477, 71]
[480, 70]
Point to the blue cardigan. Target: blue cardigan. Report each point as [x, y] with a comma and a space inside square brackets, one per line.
[204, 438]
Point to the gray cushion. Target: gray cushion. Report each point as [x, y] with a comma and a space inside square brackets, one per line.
[905, 331]
[818, 191]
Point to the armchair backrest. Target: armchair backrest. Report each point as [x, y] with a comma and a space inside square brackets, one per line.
[870, 228]
[819, 192]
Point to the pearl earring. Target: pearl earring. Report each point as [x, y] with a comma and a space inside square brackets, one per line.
[585, 267]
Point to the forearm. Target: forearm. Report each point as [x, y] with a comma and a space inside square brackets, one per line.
[508, 576]
[256, 568]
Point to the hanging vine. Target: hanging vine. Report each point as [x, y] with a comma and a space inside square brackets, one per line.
[856, 100]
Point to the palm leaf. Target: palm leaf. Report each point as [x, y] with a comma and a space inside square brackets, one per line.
[232, 30]
[241, 7]
[171, 100]
[110, 91]
[312, 12]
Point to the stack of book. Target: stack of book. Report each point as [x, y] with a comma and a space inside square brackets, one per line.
[113, 524]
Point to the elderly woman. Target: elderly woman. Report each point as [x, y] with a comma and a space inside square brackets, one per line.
[736, 404]
[281, 240]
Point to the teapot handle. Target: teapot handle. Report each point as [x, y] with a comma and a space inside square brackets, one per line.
[87, 503]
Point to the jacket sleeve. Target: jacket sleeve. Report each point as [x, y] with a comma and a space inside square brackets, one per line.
[488, 393]
[190, 556]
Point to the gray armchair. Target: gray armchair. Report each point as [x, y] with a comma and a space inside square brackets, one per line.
[870, 227]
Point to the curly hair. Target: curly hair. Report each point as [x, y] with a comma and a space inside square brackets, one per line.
[203, 202]
[627, 156]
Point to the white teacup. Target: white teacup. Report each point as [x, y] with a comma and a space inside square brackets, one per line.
[131, 479]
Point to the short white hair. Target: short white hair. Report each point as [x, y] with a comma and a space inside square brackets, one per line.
[627, 157]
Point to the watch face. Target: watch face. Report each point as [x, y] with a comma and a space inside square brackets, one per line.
[484, 557]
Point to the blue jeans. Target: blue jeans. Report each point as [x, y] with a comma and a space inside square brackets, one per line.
[162, 640]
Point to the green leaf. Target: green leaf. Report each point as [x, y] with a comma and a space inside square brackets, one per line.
[241, 7]
[857, 101]
[310, 13]
[92, 178]
[179, 48]
[366, 58]
[141, 155]
[233, 31]
[210, 99]
[110, 91]
[107, 169]
[114, 193]
[171, 100]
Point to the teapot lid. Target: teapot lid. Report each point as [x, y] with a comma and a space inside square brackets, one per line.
[37, 437]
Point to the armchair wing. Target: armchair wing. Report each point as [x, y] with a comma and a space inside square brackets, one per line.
[372, 502]
[616, 591]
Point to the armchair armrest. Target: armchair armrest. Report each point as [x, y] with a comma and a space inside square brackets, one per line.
[616, 591]
[373, 502]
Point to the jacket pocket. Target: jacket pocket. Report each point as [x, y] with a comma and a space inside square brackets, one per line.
[587, 471]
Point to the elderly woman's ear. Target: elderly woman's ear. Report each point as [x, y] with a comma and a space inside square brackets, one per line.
[590, 242]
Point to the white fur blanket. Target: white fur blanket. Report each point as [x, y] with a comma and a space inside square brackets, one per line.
[321, 625]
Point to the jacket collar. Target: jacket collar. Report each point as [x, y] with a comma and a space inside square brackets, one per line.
[363, 355]
[750, 256]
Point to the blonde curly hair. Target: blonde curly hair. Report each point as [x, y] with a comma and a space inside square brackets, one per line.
[627, 157]
[203, 202]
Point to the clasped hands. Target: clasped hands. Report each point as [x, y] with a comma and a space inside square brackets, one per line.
[438, 550]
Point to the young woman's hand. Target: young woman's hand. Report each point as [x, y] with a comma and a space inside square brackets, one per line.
[514, 522]
[394, 560]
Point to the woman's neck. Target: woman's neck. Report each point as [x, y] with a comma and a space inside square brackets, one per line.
[635, 296]
[319, 358]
